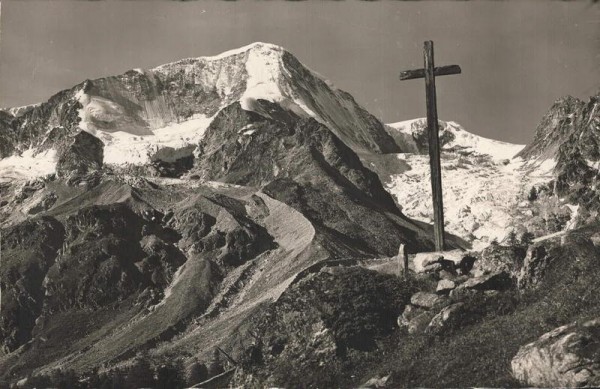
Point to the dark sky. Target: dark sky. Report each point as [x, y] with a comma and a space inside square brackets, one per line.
[517, 57]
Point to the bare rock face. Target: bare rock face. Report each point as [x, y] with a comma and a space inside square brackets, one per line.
[496, 258]
[534, 266]
[569, 135]
[83, 154]
[568, 356]
[554, 129]
[6, 135]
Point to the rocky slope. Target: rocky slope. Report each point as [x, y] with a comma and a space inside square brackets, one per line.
[567, 137]
[568, 119]
[174, 251]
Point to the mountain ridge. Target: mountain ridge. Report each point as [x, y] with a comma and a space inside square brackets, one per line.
[167, 107]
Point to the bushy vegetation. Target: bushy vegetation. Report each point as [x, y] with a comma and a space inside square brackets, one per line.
[325, 324]
[533, 194]
[358, 305]
[141, 373]
[479, 353]
[526, 239]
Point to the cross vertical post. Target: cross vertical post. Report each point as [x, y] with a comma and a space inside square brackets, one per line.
[429, 72]
[434, 147]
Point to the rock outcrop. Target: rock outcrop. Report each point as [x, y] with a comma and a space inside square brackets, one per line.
[28, 251]
[568, 356]
[454, 260]
[554, 129]
[496, 259]
[82, 155]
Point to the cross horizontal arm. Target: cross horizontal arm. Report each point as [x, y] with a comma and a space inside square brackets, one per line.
[438, 71]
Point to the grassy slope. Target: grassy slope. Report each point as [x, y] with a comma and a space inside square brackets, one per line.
[474, 353]
[480, 354]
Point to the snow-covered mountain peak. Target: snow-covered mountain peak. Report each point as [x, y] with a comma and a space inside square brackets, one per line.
[162, 113]
[264, 49]
[453, 136]
[256, 71]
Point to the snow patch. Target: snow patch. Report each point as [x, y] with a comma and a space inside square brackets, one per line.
[28, 165]
[593, 164]
[263, 68]
[168, 143]
[243, 49]
[245, 128]
[542, 167]
[19, 111]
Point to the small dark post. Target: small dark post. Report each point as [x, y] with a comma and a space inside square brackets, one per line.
[429, 72]
[402, 261]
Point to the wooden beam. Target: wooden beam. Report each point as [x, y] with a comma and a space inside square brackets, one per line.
[434, 147]
[439, 71]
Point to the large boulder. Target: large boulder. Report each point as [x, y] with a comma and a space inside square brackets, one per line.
[496, 259]
[445, 286]
[83, 154]
[568, 356]
[409, 313]
[422, 308]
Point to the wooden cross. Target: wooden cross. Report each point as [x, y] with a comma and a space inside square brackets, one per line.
[429, 72]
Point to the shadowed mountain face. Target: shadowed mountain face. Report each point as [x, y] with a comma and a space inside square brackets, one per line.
[569, 123]
[302, 163]
[568, 135]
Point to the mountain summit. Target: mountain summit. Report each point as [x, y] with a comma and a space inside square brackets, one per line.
[158, 114]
